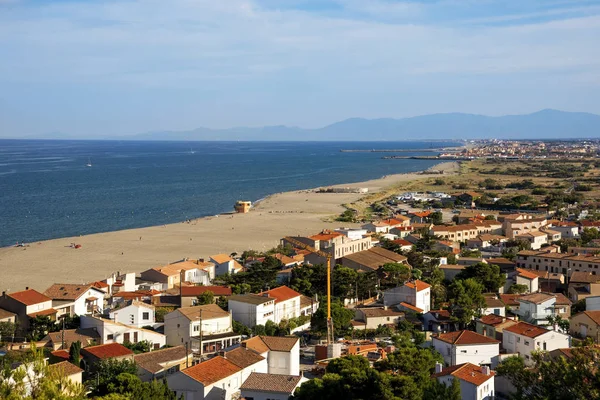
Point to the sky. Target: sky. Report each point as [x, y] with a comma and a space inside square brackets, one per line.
[103, 68]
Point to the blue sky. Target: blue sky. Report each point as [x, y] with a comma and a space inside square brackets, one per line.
[100, 68]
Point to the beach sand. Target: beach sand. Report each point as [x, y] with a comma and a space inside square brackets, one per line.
[292, 213]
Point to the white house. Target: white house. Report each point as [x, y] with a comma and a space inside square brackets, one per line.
[527, 278]
[158, 364]
[282, 353]
[252, 309]
[466, 346]
[136, 314]
[417, 293]
[218, 378]
[27, 304]
[535, 238]
[207, 329]
[115, 332]
[69, 299]
[373, 317]
[287, 302]
[352, 233]
[476, 382]
[567, 229]
[536, 308]
[260, 386]
[225, 264]
[118, 282]
[524, 338]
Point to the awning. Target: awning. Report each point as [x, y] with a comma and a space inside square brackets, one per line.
[50, 311]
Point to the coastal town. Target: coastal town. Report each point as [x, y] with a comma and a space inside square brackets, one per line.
[478, 283]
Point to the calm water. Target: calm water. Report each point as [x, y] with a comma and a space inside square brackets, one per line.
[46, 190]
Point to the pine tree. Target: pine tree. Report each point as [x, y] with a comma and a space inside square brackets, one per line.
[74, 353]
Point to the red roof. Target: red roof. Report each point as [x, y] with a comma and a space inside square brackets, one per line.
[467, 372]
[110, 350]
[282, 293]
[422, 214]
[419, 285]
[99, 284]
[211, 371]
[526, 274]
[63, 354]
[525, 329]
[198, 290]
[326, 235]
[49, 311]
[29, 297]
[402, 242]
[411, 307]
[465, 338]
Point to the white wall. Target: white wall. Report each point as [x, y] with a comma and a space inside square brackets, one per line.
[524, 345]
[477, 354]
[285, 363]
[106, 328]
[179, 329]
[133, 315]
[592, 303]
[469, 391]
[287, 309]
[252, 314]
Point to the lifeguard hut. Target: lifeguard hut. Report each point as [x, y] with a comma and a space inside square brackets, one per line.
[242, 206]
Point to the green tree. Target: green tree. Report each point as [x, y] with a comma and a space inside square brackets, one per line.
[241, 329]
[344, 282]
[437, 218]
[271, 328]
[143, 346]
[394, 274]
[589, 234]
[207, 297]
[107, 372]
[466, 298]
[223, 303]
[488, 275]
[518, 289]
[75, 353]
[130, 385]
[439, 391]
[259, 330]
[341, 317]
[40, 326]
[7, 328]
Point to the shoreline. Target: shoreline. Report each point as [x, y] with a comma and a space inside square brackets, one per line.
[299, 212]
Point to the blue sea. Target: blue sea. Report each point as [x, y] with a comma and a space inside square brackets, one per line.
[47, 191]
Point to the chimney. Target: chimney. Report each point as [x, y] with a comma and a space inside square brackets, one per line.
[201, 260]
[485, 370]
[26, 287]
[438, 367]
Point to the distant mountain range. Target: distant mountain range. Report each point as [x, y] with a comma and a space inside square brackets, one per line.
[545, 124]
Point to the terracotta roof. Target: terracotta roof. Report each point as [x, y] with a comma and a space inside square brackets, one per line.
[99, 284]
[402, 242]
[526, 274]
[526, 329]
[251, 298]
[221, 258]
[66, 291]
[454, 228]
[493, 301]
[243, 357]
[282, 293]
[109, 350]
[593, 315]
[511, 299]
[152, 361]
[467, 372]
[561, 299]
[422, 214]
[419, 285]
[211, 371]
[85, 336]
[375, 257]
[256, 344]
[326, 235]
[198, 290]
[495, 320]
[411, 307]
[6, 314]
[48, 311]
[374, 312]
[29, 297]
[499, 260]
[271, 383]
[440, 314]
[209, 311]
[278, 343]
[64, 354]
[65, 368]
[583, 277]
[537, 298]
[465, 338]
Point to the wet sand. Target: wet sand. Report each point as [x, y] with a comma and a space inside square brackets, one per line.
[292, 213]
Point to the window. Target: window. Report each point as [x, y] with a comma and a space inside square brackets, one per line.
[527, 343]
[463, 351]
[518, 340]
[110, 337]
[146, 316]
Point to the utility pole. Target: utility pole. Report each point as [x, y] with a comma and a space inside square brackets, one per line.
[62, 336]
[200, 327]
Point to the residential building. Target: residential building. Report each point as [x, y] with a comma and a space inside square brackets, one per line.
[536, 239]
[373, 317]
[506, 266]
[487, 241]
[523, 338]
[137, 314]
[260, 386]
[525, 277]
[586, 324]
[67, 370]
[438, 321]
[492, 325]
[207, 328]
[536, 308]
[520, 224]
[218, 378]
[159, 364]
[558, 262]
[404, 245]
[334, 243]
[224, 264]
[476, 382]
[372, 259]
[308, 305]
[189, 294]
[493, 305]
[282, 353]
[169, 276]
[416, 293]
[451, 270]
[287, 303]
[64, 338]
[198, 272]
[467, 261]
[72, 299]
[93, 354]
[552, 234]
[252, 309]
[466, 346]
[115, 332]
[352, 233]
[456, 233]
[386, 225]
[567, 229]
[117, 282]
[7, 316]
[583, 285]
[27, 304]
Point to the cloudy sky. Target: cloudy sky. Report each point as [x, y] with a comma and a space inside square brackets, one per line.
[123, 67]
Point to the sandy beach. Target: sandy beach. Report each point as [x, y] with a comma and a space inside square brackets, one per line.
[302, 212]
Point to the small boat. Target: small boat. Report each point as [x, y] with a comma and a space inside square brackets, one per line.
[89, 163]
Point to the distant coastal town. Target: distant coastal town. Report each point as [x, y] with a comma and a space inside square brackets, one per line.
[476, 279]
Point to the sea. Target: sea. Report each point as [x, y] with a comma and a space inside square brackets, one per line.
[47, 189]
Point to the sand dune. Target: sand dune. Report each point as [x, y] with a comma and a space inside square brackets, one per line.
[293, 213]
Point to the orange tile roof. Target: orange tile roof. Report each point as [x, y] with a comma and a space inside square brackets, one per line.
[49, 311]
[537, 298]
[271, 383]
[64, 354]
[66, 291]
[211, 371]
[279, 343]
[65, 368]
[243, 357]
[282, 293]
[29, 297]
[221, 258]
[510, 299]
[326, 235]
[467, 372]
[526, 329]
[109, 350]
[256, 344]
[419, 285]
[411, 307]
[594, 316]
[526, 274]
[402, 242]
[99, 284]
[422, 214]
[465, 338]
